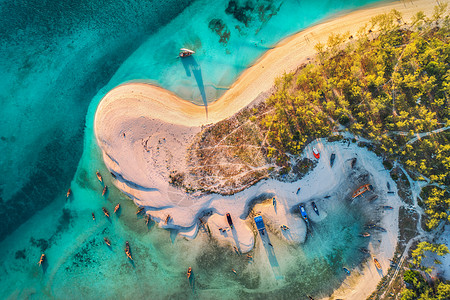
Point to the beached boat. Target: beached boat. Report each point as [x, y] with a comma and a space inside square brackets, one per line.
[127, 250]
[140, 209]
[346, 270]
[69, 193]
[377, 263]
[106, 212]
[274, 201]
[316, 210]
[93, 216]
[316, 153]
[229, 220]
[167, 219]
[189, 273]
[380, 229]
[304, 214]
[107, 241]
[364, 234]
[332, 158]
[387, 207]
[105, 190]
[117, 208]
[42, 259]
[185, 52]
[361, 190]
[99, 176]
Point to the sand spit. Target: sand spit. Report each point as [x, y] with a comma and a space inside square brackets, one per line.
[144, 132]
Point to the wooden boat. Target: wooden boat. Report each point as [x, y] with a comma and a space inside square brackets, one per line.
[364, 250]
[274, 201]
[42, 259]
[127, 250]
[388, 185]
[361, 190]
[106, 212]
[99, 176]
[189, 273]
[105, 190]
[107, 241]
[316, 153]
[388, 207]
[230, 222]
[304, 214]
[346, 270]
[93, 216]
[117, 207]
[377, 263]
[147, 220]
[184, 52]
[370, 226]
[69, 193]
[332, 158]
[167, 219]
[140, 209]
[316, 210]
[364, 234]
[380, 229]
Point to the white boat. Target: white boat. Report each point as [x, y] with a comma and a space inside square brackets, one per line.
[184, 52]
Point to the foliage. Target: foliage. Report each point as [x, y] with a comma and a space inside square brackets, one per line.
[418, 288]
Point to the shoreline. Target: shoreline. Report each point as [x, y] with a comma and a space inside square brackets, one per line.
[131, 143]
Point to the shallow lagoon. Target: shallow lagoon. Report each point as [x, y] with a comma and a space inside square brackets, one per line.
[79, 263]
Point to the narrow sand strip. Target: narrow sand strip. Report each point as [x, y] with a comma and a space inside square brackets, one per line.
[155, 102]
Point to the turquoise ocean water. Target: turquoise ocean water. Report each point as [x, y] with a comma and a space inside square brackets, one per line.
[58, 58]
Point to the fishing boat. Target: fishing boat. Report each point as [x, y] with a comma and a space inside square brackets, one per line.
[229, 220]
[316, 153]
[106, 212]
[364, 234]
[332, 158]
[105, 190]
[377, 263]
[346, 270]
[380, 229]
[127, 250]
[42, 259]
[370, 226]
[316, 210]
[361, 190]
[364, 250]
[117, 207]
[388, 207]
[93, 216]
[107, 241]
[69, 193]
[189, 273]
[185, 52]
[304, 214]
[99, 176]
[140, 209]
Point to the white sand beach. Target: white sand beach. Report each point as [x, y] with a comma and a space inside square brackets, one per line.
[144, 132]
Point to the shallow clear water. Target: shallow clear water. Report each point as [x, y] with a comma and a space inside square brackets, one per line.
[58, 59]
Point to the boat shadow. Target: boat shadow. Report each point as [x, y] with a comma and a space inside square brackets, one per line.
[191, 66]
[270, 254]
